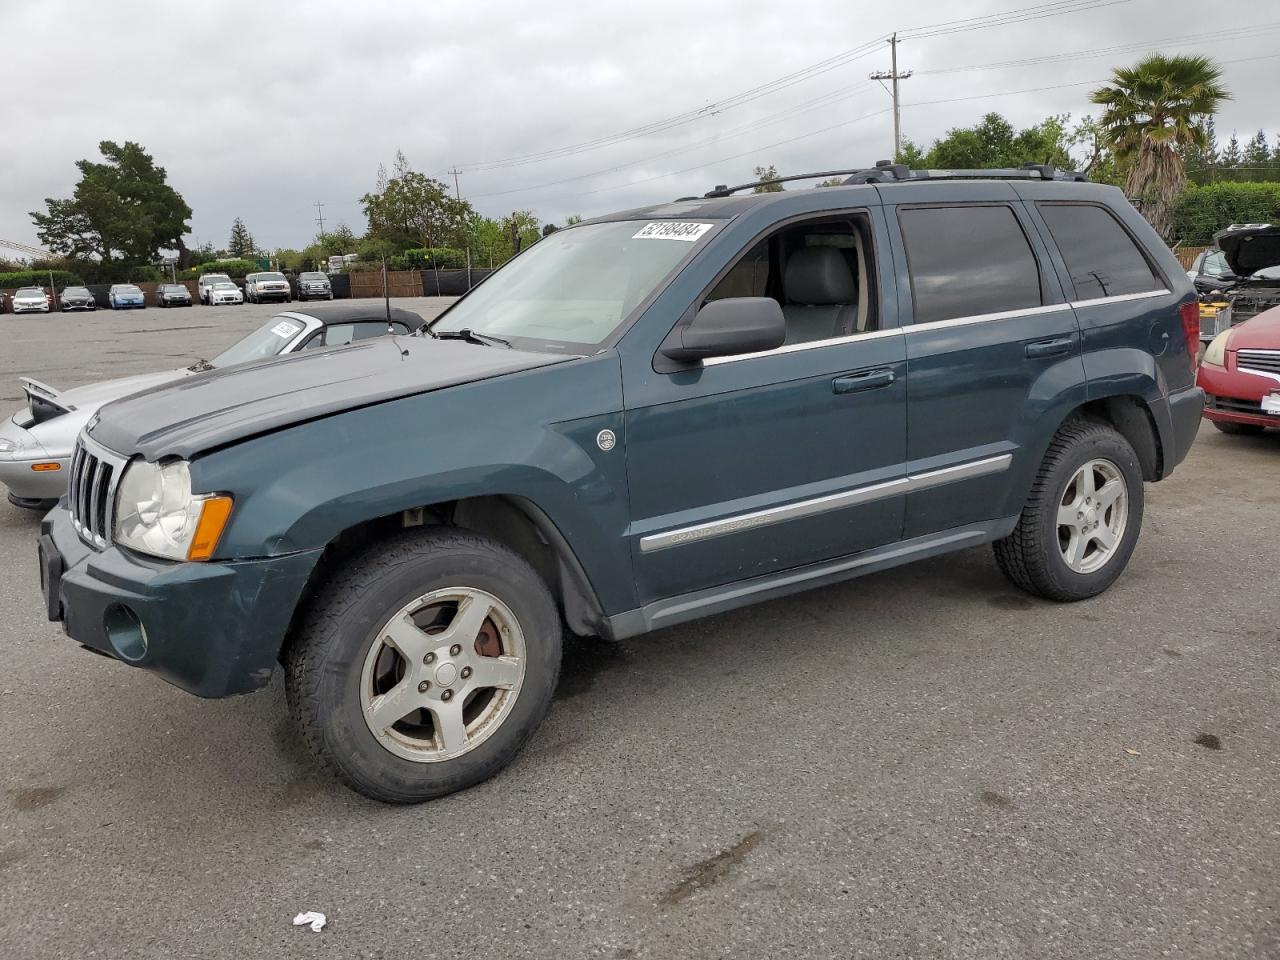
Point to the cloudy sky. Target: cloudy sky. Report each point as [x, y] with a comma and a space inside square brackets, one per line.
[259, 109]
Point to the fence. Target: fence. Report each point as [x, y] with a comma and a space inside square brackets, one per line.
[1187, 255]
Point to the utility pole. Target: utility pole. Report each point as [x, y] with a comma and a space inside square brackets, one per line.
[320, 216]
[894, 76]
[457, 192]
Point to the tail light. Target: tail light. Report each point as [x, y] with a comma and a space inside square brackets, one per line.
[1190, 314]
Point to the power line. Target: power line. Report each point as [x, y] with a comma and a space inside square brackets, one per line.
[1003, 18]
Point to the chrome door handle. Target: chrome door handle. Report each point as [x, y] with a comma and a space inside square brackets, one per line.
[857, 382]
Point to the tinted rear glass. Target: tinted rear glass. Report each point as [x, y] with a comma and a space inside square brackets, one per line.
[1101, 256]
[968, 260]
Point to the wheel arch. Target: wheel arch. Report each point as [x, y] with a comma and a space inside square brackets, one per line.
[514, 521]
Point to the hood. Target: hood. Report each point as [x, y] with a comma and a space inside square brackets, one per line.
[1258, 333]
[220, 407]
[93, 395]
[1249, 246]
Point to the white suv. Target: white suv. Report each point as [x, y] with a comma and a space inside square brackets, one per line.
[260, 287]
[206, 282]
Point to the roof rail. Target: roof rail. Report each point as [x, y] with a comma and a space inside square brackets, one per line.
[888, 172]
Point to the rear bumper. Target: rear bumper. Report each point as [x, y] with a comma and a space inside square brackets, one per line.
[1185, 407]
[213, 629]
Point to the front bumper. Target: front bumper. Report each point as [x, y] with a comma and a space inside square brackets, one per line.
[15, 468]
[28, 484]
[1236, 397]
[31, 308]
[213, 629]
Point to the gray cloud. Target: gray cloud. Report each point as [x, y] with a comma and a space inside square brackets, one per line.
[259, 110]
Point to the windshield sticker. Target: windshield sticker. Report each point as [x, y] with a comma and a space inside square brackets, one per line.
[672, 230]
[285, 329]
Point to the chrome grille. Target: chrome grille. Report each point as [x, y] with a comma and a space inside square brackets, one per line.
[91, 491]
[1264, 361]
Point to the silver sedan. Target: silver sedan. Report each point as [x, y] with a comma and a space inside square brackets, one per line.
[36, 442]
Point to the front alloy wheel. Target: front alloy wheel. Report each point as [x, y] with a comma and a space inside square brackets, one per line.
[424, 664]
[443, 674]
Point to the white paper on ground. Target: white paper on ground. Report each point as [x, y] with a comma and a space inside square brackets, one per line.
[311, 918]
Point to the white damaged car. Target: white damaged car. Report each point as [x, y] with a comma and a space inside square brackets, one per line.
[36, 442]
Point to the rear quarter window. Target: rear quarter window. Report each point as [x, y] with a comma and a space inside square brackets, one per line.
[1103, 260]
[968, 260]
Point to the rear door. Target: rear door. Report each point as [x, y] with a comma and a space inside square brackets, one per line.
[993, 349]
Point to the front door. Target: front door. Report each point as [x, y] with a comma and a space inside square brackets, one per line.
[744, 466]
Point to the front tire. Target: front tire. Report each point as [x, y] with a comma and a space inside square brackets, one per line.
[1238, 429]
[424, 665]
[1081, 522]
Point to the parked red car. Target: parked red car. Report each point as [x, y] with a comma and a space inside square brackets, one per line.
[1240, 376]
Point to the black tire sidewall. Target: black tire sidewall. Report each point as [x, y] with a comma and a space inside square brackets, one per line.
[1103, 444]
[346, 740]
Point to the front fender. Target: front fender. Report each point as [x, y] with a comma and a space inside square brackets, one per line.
[530, 434]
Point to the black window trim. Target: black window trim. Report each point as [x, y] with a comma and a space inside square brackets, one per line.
[1158, 275]
[1045, 305]
[662, 365]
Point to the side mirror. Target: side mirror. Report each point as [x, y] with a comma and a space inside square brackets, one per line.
[725, 328]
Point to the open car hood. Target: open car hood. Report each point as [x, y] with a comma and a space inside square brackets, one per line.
[1249, 247]
[213, 409]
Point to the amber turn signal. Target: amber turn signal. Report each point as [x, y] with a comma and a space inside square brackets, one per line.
[214, 514]
[46, 466]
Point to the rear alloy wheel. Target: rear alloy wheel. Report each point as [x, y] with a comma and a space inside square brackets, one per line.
[1081, 522]
[1239, 429]
[424, 665]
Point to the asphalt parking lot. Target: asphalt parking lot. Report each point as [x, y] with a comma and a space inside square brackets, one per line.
[922, 763]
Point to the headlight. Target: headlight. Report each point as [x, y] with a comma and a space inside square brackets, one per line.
[157, 514]
[1216, 352]
[10, 446]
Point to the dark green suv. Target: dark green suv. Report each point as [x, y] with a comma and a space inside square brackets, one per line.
[647, 418]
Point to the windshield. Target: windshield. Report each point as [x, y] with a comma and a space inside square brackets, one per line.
[127, 288]
[576, 286]
[225, 285]
[266, 341]
[1267, 273]
[312, 276]
[29, 292]
[213, 277]
[76, 291]
[270, 276]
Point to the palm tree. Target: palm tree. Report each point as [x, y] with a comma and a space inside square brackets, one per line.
[1151, 111]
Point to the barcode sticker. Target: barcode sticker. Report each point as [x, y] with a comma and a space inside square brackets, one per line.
[672, 230]
[285, 329]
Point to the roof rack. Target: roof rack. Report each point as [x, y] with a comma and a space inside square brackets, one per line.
[888, 172]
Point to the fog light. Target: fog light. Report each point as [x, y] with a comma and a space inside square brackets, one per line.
[125, 633]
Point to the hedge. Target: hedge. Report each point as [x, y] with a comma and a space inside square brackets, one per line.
[38, 278]
[1203, 211]
[232, 268]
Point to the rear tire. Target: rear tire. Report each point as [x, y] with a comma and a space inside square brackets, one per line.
[1239, 429]
[357, 660]
[1081, 522]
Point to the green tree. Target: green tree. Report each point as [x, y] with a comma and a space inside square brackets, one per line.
[122, 212]
[994, 142]
[571, 219]
[410, 209]
[767, 173]
[1151, 111]
[1257, 151]
[241, 244]
[1231, 155]
[523, 230]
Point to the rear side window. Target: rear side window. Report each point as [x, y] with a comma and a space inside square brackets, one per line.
[968, 260]
[1103, 259]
